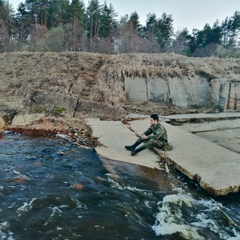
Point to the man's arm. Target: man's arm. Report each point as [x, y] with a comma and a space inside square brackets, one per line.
[159, 133]
[146, 134]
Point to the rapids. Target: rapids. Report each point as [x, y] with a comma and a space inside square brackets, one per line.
[51, 189]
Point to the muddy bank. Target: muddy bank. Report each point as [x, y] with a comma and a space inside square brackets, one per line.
[73, 129]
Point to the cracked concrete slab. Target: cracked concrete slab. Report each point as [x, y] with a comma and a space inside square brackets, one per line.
[213, 166]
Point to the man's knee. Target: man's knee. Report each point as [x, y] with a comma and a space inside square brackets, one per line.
[150, 143]
[154, 143]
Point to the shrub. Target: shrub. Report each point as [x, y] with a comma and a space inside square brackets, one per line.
[53, 41]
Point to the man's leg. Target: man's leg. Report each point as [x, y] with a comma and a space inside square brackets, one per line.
[132, 147]
[134, 152]
[154, 143]
[147, 144]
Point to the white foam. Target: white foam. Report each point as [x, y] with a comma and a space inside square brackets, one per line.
[176, 212]
[114, 183]
[25, 207]
[55, 210]
[4, 231]
[7, 132]
[64, 136]
[169, 219]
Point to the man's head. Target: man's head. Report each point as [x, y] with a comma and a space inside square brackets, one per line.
[154, 119]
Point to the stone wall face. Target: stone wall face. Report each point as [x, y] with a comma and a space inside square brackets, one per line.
[226, 93]
[136, 89]
[157, 90]
[232, 92]
[193, 91]
[184, 92]
[219, 91]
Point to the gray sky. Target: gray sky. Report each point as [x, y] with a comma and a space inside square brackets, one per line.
[186, 13]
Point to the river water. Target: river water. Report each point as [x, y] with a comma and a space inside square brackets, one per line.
[51, 189]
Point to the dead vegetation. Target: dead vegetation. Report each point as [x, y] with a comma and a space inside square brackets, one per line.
[99, 77]
[97, 81]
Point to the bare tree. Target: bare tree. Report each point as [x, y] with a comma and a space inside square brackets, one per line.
[4, 38]
[36, 33]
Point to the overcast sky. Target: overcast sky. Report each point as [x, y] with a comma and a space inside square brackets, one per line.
[186, 13]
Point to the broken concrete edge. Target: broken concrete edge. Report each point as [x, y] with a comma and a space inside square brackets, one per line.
[163, 155]
[219, 192]
[211, 130]
[129, 119]
[195, 177]
[168, 161]
[214, 192]
[193, 120]
[105, 160]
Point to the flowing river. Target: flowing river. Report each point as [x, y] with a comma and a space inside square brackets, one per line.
[51, 189]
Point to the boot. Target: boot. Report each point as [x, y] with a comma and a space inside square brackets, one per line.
[134, 152]
[132, 147]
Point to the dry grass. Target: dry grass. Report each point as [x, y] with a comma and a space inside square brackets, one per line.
[100, 77]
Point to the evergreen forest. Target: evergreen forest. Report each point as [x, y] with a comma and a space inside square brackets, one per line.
[63, 25]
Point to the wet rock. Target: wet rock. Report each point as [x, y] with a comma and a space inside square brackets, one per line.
[20, 179]
[25, 119]
[78, 186]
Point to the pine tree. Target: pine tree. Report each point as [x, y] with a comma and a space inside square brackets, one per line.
[107, 21]
[92, 23]
[6, 26]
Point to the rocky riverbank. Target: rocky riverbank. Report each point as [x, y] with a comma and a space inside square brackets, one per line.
[79, 132]
[52, 126]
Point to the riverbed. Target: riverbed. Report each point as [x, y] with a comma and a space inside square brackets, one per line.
[52, 189]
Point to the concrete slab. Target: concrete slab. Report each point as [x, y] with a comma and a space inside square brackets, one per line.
[216, 168]
[223, 132]
[226, 138]
[211, 126]
[203, 116]
[114, 135]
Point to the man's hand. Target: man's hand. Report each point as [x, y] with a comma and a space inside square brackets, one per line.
[143, 137]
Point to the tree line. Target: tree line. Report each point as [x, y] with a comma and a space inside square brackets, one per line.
[63, 25]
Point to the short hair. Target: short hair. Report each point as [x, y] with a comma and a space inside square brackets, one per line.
[154, 116]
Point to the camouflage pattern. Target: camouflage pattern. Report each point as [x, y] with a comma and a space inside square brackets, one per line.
[158, 132]
[157, 137]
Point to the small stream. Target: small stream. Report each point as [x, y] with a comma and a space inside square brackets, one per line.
[52, 189]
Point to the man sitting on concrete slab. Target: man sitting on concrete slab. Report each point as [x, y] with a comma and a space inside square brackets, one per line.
[154, 136]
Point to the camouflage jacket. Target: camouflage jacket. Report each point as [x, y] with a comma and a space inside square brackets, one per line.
[158, 132]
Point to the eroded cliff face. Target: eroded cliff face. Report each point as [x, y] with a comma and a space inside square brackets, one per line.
[78, 84]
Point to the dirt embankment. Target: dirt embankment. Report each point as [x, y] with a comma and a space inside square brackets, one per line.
[69, 87]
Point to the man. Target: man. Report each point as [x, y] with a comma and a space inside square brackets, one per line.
[155, 136]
